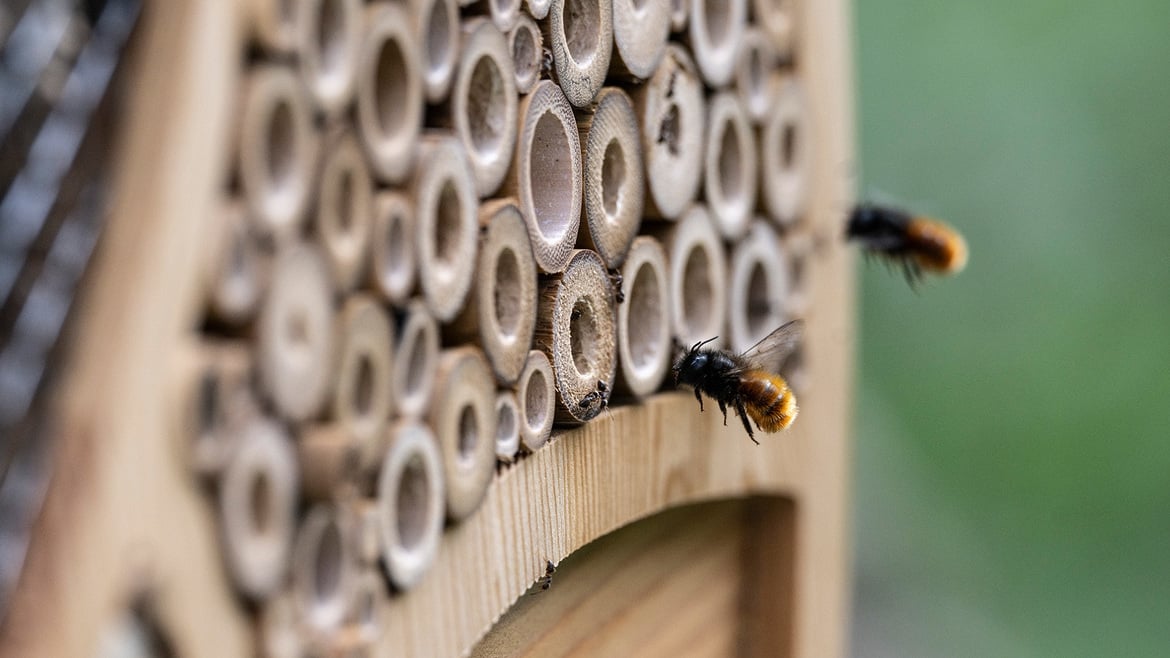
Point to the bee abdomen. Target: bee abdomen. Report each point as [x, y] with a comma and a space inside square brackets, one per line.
[768, 400]
[935, 246]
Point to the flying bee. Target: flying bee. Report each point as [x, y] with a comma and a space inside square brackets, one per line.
[745, 382]
[916, 244]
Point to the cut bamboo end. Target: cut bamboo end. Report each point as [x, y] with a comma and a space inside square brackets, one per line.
[235, 273]
[416, 358]
[410, 503]
[295, 340]
[672, 114]
[389, 91]
[445, 234]
[755, 79]
[698, 279]
[731, 166]
[276, 150]
[787, 154]
[438, 25]
[679, 11]
[536, 396]
[759, 287]
[643, 320]
[323, 570]
[273, 24]
[580, 35]
[779, 20]
[716, 30]
[484, 104]
[539, 8]
[640, 31]
[507, 426]
[575, 327]
[213, 399]
[526, 44]
[463, 416]
[328, 456]
[546, 175]
[505, 13]
[362, 399]
[345, 209]
[501, 310]
[392, 259]
[329, 46]
[257, 504]
[613, 176]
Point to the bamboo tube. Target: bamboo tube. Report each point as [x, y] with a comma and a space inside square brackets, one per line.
[437, 23]
[392, 258]
[526, 44]
[483, 104]
[445, 233]
[613, 176]
[731, 166]
[362, 400]
[798, 248]
[235, 272]
[276, 149]
[779, 20]
[329, 45]
[671, 110]
[295, 333]
[359, 516]
[328, 456]
[507, 426]
[716, 30]
[758, 286]
[575, 328]
[278, 635]
[501, 310]
[273, 24]
[257, 503]
[539, 8]
[698, 278]
[536, 396]
[580, 35]
[786, 154]
[755, 78]
[410, 502]
[214, 400]
[416, 358]
[323, 569]
[679, 11]
[643, 320]
[640, 31]
[389, 91]
[464, 418]
[345, 208]
[504, 13]
[546, 175]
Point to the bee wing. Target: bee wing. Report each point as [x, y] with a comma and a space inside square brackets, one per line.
[769, 353]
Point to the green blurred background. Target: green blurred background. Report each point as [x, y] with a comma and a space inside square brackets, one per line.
[1013, 424]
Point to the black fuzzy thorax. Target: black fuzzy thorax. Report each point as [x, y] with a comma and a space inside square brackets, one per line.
[879, 229]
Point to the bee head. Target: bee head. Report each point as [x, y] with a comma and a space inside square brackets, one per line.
[862, 220]
[689, 367]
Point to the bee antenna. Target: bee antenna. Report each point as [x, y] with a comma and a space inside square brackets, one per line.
[704, 342]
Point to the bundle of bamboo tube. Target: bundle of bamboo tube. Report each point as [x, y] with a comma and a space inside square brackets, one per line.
[451, 226]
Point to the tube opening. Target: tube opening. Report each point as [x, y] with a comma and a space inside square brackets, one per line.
[413, 502]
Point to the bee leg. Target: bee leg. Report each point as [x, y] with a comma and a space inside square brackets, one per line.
[723, 408]
[746, 425]
[700, 399]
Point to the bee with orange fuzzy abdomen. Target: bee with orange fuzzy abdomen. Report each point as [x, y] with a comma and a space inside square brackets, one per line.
[916, 244]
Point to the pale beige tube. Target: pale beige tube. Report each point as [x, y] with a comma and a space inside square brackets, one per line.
[786, 154]
[327, 455]
[536, 396]
[257, 504]
[389, 91]
[329, 46]
[780, 21]
[730, 166]
[235, 272]
[640, 31]
[411, 496]
[539, 8]
[273, 24]
[276, 150]
[698, 279]
[463, 415]
[345, 209]
[671, 109]
[359, 517]
[575, 327]
[504, 13]
[362, 398]
[483, 104]
[392, 259]
[323, 570]
[295, 333]
[756, 77]
[213, 400]
[643, 320]
[446, 227]
[679, 12]
[501, 310]
[716, 30]
[437, 23]
[580, 35]
[526, 44]
[507, 426]
[758, 286]
[613, 176]
[416, 357]
[546, 175]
